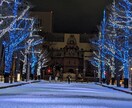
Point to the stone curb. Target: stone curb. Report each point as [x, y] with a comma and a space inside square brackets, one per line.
[15, 85]
[114, 88]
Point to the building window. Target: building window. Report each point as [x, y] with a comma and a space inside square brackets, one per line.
[74, 62]
[39, 22]
[56, 37]
[84, 38]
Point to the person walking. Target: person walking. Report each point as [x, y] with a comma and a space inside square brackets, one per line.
[50, 78]
[69, 79]
[56, 79]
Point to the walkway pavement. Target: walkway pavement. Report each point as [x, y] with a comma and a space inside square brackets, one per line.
[7, 85]
[63, 95]
[114, 87]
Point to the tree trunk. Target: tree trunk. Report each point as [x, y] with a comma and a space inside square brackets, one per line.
[6, 78]
[113, 81]
[125, 82]
[8, 60]
[118, 81]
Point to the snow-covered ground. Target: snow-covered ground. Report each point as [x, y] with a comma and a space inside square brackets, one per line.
[63, 95]
[2, 84]
[118, 88]
[6, 85]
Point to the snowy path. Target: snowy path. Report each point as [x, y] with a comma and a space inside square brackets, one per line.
[63, 95]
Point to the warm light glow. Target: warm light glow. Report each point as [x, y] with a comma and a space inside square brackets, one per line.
[18, 77]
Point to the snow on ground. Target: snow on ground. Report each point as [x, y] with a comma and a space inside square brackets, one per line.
[63, 95]
[8, 84]
[120, 88]
[2, 84]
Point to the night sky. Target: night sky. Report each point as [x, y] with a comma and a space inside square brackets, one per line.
[73, 16]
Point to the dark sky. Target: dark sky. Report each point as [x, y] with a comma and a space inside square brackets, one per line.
[74, 16]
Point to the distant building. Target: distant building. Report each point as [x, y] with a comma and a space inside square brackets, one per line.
[72, 54]
[43, 20]
[69, 52]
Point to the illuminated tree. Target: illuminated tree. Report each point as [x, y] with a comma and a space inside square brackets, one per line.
[112, 34]
[100, 43]
[30, 44]
[4, 27]
[20, 27]
[7, 19]
[34, 61]
[117, 34]
[42, 60]
[121, 47]
[102, 38]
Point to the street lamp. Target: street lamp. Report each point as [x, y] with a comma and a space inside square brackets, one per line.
[95, 76]
[130, 79]
[84, 71]
[27, 70]
[76, 74]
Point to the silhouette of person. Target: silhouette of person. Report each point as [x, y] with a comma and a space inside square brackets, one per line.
[68, 79]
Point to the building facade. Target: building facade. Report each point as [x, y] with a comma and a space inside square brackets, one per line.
[43, 20]
[70, 53]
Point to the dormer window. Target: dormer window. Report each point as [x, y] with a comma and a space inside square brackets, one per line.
[71, 40]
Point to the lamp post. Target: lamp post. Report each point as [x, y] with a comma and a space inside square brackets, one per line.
[130, 79]
[13, 69]
[84, 71]
[27, 70]
[95, 76]
[61, 73]
[76, 74]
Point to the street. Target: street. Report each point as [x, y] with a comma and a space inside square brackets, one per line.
[63, 95]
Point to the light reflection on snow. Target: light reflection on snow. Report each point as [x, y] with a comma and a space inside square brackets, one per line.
[62, 95]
